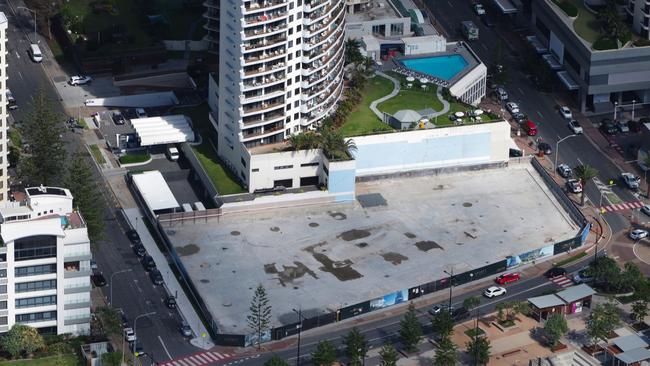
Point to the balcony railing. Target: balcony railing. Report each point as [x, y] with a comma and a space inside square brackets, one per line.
[261, 5]
[262, 107]
[265, 132]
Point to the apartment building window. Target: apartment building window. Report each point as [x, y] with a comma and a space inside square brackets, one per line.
[3, 273]
[281, 167]
[36, 286]
[35, 270]
[255, 170]
[298, 29]
[3, 289]
[3, 305]
[3, 320]
[289, 81]
[243, 162]
[296, 104]
[36, 317]
[397, 29]
[31, 302]
[34, 247]
[309, 164]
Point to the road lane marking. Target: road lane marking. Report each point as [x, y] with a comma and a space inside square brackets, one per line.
[520, 91]
[540, 114]
[451, 6]
[21, 75]
[164, 347]
[17, 54]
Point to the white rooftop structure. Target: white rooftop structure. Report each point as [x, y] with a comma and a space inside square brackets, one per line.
[163, 130]
[155, 191]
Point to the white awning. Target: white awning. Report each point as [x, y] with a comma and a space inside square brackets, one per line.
[567, 80]
[163, 130]
[505, 6]
[537, 44]
[552, 61]
[155, 191]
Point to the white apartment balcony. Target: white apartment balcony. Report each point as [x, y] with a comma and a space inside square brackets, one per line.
[212, 15]
[325, 110]
[266, 56]
[248, 35]
[264, 18]
[262, 120]
[252, 7]
[337, 16]
[265, 44]
[262, 107]
[265, 133]
[322, 50]
[322, 63]
[267, 81]
[319, 40]
[262, 96]
[318, 15]
[314, 5]
[264, 70]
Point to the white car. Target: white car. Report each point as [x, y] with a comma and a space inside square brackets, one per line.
[631, 181]
[494, 291]
[564, 170]
[638, 234]
[479, 9]
[575, 127]
[645, 209]
[129, 335]
[79, 80]
[566, 112]
[512, 107]
[574, 186]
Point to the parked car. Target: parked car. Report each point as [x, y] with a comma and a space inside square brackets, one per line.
[638, 234]
[582, 276]
[565, 112]
[98, 279]
[35, 53]
[170, 301]
[460, 314]
[519, 117]
[80, 80]
[487, 20]
[545, 147]
[574, 186]
[156, 277]
[512, 107]
[645, 209]
[575, 127]
[125, 321]
[118, 118]
[139, 250]
[608, 128]
[564, 170]
[136, 347]
[531, 128]
[555, 272]
[502, 94]
[129, 335]
[133, 236]
[479, 9]
[140, 113]
[436, 309]
[515, 153]
[623, 127]
[148, 263]
[507, 278]
[631, 181]
[93, 264]
[494, 291]
[185, 329]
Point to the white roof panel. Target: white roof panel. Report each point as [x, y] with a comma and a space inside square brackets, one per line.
[155, 191]
[163, 130]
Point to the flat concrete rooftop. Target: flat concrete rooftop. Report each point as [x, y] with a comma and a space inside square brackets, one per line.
[376, 10]
[324, 257]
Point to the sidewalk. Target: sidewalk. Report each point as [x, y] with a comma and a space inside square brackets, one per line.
[202, 337]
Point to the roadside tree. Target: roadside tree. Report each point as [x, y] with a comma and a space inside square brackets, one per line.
[79, 180]
[276, 361]
[21, 339]
[324, 355]
[603, 320]
[442, 324]
[356, 347]
[410, 332]
[112, 358]
[584, 173]
[388, 355]
[555, 327]
[259, 319]
[478, 349]
[111, 321]
[640, 310]
[446, 353]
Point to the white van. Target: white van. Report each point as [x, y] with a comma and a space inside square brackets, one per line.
[172, 153]
[187, 207]
[35, 53]
[198, 206]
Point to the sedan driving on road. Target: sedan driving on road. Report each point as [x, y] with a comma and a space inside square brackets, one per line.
[575, 127]
[645, 209]
[507, 278]
[79, 80]
[565, 112]
[436, 309]
[555, 272]
[494, 291]
[638, 234]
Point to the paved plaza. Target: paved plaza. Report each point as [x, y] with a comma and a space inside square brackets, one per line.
[398, 234]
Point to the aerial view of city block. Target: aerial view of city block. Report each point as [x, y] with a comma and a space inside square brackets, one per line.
[324, 182]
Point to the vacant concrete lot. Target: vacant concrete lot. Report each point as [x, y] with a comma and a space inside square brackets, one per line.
[325, 257]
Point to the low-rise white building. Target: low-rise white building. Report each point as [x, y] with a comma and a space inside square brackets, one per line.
[44, 263]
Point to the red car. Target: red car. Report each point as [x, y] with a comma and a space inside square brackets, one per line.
[507, 278]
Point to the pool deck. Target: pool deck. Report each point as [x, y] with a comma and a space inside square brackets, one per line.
[453, 48]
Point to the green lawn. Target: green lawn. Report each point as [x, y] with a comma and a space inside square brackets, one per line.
[362, 120]
[99, 158]
[220, 176]
[134, 158]
[411, 99]
[586, 24]
[68, 360]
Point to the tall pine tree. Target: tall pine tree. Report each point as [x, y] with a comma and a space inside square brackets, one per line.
[410, 331]
[79, 180]
[356, 347]
[388, 355]
[324, 355]
[42, 131]
[259, 319]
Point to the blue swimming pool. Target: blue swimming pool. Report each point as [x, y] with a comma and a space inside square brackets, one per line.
[443, 67]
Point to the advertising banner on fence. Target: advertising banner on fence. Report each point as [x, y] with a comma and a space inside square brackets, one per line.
[389, 300]
[517, 260]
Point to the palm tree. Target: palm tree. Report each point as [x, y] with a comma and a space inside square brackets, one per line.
[352, 53]
[335, 146]
[304, 141]
[585, 173]
[369, 64]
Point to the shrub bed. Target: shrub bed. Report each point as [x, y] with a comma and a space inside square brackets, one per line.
[568, 8]
[134, 158]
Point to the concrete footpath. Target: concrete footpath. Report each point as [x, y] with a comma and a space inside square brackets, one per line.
[186, 310]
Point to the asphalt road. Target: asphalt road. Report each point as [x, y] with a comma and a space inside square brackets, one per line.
[133, 291]
[540, 107]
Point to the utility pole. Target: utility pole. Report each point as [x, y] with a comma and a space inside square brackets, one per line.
[451, 284]
[300, 318]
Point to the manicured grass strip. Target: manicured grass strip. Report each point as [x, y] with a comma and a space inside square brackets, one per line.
[67, 360]
[570, 259]
[99, 158]
[411, 99]
[362, 121]
[220, 176]
[134, 158]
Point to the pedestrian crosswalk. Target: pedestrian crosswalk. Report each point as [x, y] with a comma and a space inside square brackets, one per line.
[622, 206]
[199, 359]
[562, 281]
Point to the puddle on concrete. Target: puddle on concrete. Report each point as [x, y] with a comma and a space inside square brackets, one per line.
[313, 224]
[361, 245]
[235, 233]
[354, 234]
[275, 229]
[337, 215]
[394, 258]
[467, 204]
[410, 235]
[203, 280]
[189, 249]
[289, 273]
[342, 270]
[427, 245]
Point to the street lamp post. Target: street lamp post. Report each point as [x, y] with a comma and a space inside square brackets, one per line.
[633, 103]
[135, 331]
[557, 151]
[300, 318]
[31, 11]
[615, 108]
[451, 284]
[110, 300]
